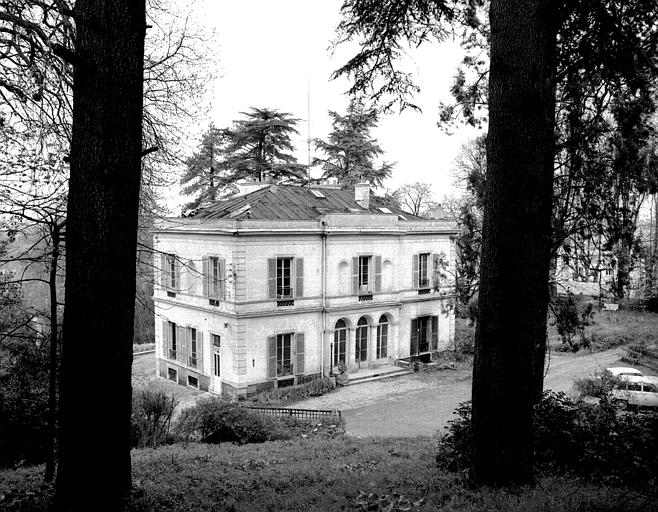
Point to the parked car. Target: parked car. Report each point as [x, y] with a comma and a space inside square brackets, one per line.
[618, 371]
[636, 391]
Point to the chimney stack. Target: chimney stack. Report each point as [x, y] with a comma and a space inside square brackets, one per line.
[362, 195]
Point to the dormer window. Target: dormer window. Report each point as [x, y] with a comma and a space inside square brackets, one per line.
[384, 210]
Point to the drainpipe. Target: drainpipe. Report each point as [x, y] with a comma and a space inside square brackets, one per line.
[323, 235]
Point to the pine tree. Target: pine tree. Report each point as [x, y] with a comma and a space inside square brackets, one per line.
[261, 148]
[351, 151]
[206, 172]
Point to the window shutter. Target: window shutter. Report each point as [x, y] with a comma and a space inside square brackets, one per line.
[199, 350]
[271, 279]
[271, 357]
[355, 276]
[182, 334]
[414, 283]
[163, 271]
[205, 274]
[378, 273]
[299, 277]
[299, 351]
[435, 333]
[435, 271]
[177, 274]
[414, 337]
[166, 339]
[222, 279]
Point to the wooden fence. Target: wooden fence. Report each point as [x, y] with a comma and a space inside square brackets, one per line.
[305, 414]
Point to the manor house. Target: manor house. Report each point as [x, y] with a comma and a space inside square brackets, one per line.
[271, 287]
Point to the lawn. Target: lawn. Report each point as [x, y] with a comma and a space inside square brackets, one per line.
[323, 475]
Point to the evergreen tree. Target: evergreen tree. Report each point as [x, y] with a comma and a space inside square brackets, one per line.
[207, 170]
[261, 148]
[351, 151]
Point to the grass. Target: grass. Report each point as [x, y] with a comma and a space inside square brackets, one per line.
[323, 475]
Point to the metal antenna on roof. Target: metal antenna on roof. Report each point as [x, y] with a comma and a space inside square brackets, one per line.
[308, 128]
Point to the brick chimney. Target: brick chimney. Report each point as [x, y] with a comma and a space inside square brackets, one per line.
[362, 195]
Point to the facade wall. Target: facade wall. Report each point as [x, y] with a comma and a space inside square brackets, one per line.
[248, 316]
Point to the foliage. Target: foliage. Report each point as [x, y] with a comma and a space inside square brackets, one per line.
[216, 420]
[290, 394]
[143, 347]
[261, 148]
[571, 318]
[24, 433]
[593, 442]
[152, 412]
[350, 149]
[322, 475]
[206, 167]
[597, 385]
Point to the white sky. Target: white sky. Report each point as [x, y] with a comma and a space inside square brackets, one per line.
[270, 51]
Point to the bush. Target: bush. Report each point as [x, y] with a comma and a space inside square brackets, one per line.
[314, 387]
[594, 442]
[24, 435]
[152, 412]
[217, 420]
[652, 304]
[598, 385]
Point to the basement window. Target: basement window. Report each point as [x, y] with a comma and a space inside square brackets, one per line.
[172, 374]
[192, 382]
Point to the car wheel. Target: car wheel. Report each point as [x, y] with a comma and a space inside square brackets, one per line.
[622, 405]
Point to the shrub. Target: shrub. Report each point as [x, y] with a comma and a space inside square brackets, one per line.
[571, 318]
[314, 387]
[24, 435]
[217, 420]
[652, 304]
[597, 385]
[594, 442]
[152, 412]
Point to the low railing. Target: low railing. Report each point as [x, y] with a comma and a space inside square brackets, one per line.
[305, 414]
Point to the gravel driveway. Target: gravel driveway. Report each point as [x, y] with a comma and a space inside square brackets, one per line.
[422, 403]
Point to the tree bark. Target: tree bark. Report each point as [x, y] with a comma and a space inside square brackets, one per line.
[95, 389]
[516, 242]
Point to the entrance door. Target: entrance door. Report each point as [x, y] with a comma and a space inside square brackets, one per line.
[361, 346]
[340, 341]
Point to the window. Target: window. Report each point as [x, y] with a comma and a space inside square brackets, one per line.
[217, 363]
[317, 193]
[382, 337]
[366, 276]
[423, 272]
[284, 355]
[169, 279]
[283, 278]
[384, 210]
[340, 342]
[172, 374]
[192, 381]
[215, 278]
[361, 345]
[183, 344]
[364, 273]
[192, 360]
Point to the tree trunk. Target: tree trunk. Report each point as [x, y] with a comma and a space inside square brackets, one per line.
[52, 363]
[101, 230]
[516, 242]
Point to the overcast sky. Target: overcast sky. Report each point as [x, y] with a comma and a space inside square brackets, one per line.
[270, 52]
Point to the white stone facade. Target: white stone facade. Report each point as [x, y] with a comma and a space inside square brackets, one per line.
[255, 350]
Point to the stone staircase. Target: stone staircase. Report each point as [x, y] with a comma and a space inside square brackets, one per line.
[379, 373]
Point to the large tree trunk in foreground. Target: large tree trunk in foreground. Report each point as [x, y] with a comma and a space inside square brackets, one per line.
[101, 230]
[516, 242]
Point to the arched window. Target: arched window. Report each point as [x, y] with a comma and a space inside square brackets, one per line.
[340, 342]
[361, 346]
[382, 337]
